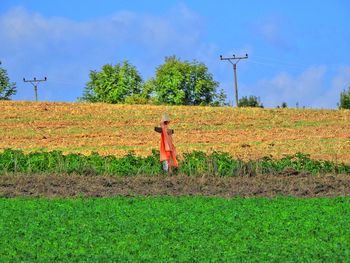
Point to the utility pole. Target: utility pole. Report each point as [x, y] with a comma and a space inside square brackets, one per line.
[233, 58]
[35, 83]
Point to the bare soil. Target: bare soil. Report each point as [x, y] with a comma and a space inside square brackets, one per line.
[299, 185]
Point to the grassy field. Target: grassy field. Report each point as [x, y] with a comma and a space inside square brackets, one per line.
[186, 229]
[245, 133]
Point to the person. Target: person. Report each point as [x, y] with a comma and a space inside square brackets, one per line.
[167, 147]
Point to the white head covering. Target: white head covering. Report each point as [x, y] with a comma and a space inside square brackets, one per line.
[165, 117]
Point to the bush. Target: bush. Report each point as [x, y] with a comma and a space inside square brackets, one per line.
[252, 101]
[345, 99]
[137, 99]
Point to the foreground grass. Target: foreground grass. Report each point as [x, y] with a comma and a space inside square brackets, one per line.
[167, 229]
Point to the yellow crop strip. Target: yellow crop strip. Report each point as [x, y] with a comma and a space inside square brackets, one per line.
[246, 133]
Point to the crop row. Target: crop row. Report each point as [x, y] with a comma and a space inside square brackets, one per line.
[175, 229]
[192, 164]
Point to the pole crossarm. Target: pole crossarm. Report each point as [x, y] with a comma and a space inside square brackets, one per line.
[35, 83]
[234, 57]
[35, 80]
[237, 59]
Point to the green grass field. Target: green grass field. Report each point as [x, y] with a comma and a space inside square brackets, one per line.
[175, 229]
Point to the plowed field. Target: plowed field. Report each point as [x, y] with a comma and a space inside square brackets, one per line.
[246, 133]
[58, 186]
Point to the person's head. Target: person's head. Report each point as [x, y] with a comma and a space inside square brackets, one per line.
[165, 118]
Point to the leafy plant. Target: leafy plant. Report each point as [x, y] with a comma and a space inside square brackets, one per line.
[345, 99]
[195, 163]
[185, 83]
[251, 101]
[7, 88]
[113, 84]
[176, 229]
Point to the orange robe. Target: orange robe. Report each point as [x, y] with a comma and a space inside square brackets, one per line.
[167, 148]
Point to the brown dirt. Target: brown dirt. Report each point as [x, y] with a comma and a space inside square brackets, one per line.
[299, 185]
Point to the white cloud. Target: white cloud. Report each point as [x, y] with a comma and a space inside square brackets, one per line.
[315, 87]
[22, 28]
[284, 87]
[35, 45]
[179, 29]
[274, 30]
[331, 96]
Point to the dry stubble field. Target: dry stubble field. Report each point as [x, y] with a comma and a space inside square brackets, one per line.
[246, 133]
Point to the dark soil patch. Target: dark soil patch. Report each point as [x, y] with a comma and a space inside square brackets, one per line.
[300, 185]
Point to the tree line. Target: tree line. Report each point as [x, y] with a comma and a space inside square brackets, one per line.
[176, 82]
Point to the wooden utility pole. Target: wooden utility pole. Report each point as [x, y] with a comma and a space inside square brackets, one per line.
[233, 58]
[35, 83]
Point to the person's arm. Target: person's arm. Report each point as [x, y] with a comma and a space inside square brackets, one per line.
[159, 130]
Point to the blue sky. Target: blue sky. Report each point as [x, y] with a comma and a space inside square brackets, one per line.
[298, 50]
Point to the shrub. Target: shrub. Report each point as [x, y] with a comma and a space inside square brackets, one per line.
[345, 99]
[251, 101]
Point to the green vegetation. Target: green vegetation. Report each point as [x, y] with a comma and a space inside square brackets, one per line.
[170, 229]
[176, 82]
[251, 101]
[113, 84]
[7, 88]
[185, 83]
[345, 99]
[193, 164]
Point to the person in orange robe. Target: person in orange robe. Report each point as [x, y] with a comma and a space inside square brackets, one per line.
[167, 147]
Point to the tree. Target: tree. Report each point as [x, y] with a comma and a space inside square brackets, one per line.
[220, 99]
[7, 88]
[185, 83]
[283, 105]
[345, 99]
[113, 84]
[252, 101]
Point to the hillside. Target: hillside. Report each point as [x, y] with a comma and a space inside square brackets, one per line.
[246, 133]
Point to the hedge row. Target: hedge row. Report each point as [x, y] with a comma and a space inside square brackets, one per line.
[193, 164]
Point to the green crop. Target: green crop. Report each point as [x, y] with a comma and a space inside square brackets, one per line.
[193, 164]
[170, 229]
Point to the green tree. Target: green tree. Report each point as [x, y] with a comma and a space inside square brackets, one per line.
[7, 88]
[113, 84]
[345, 99]
[251, 101]
[220, 99]
[283, 105]
[185, 83]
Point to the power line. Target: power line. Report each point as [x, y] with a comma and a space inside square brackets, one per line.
[35, 83]
[268, 61]
[277, 64]
[234, 58]
[279, 61]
